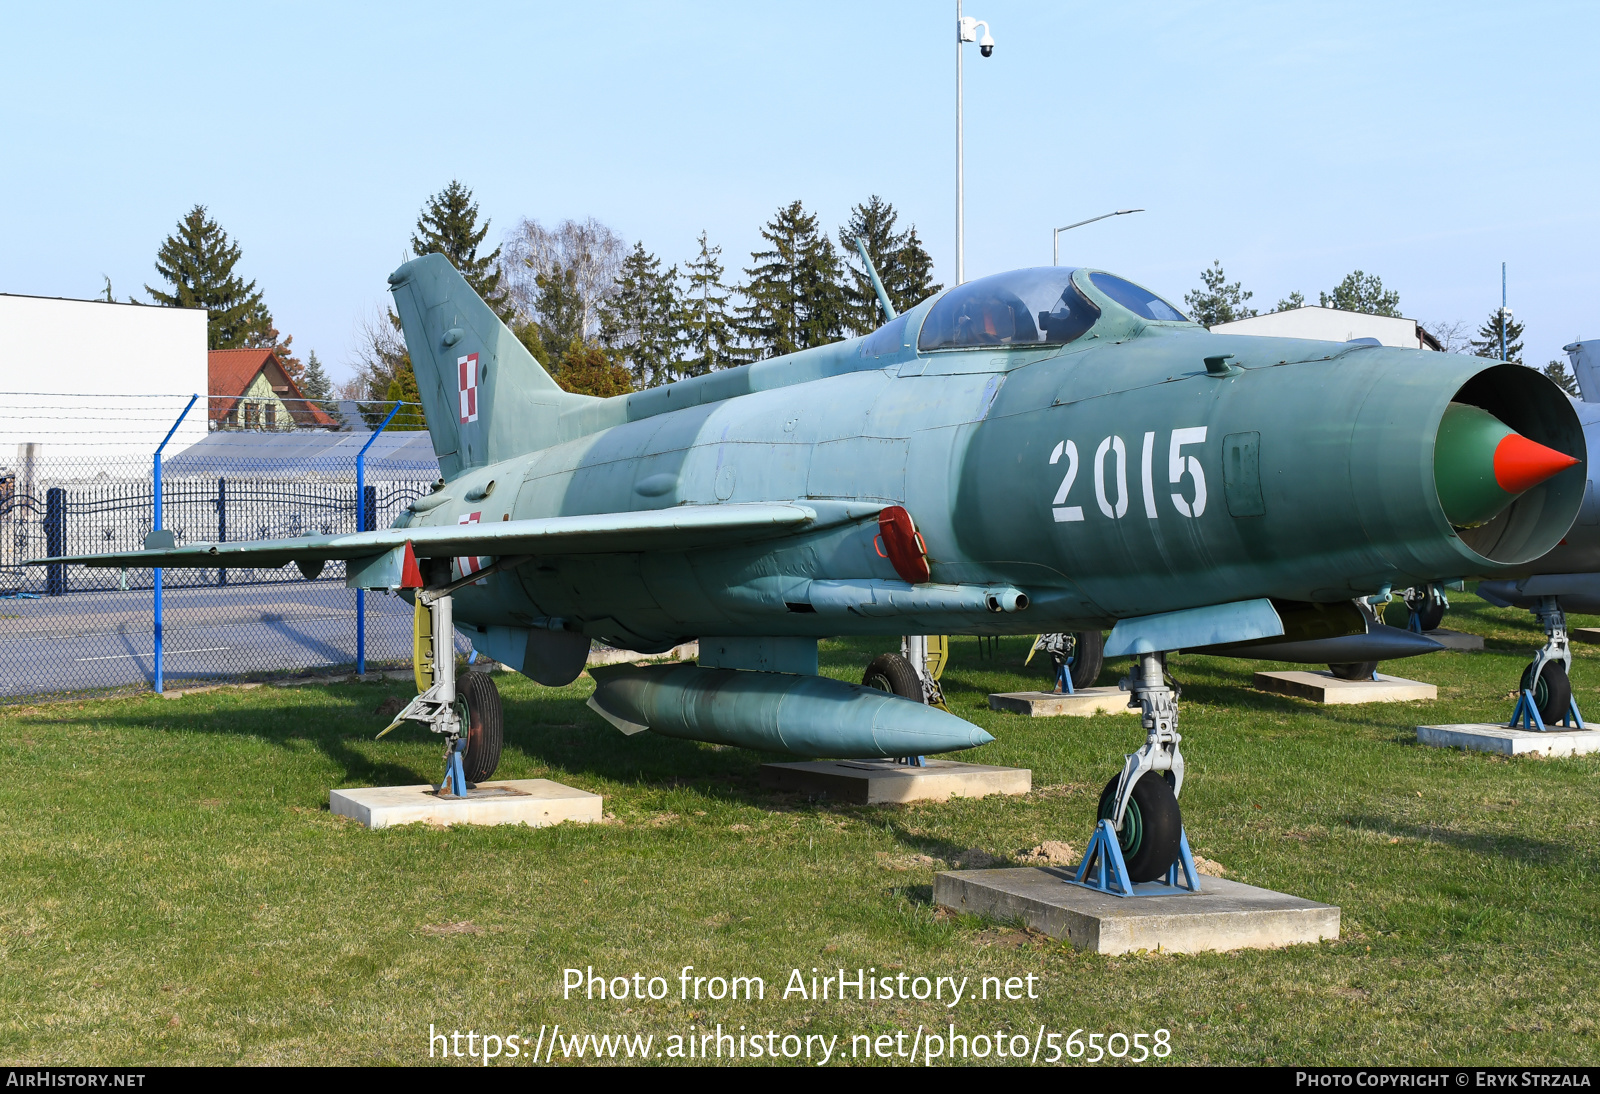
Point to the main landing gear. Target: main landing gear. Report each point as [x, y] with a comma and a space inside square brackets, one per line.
[467, 713]
[1545, 697]
[1139, 833]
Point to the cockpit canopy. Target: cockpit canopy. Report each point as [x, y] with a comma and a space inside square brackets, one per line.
[1035, 307]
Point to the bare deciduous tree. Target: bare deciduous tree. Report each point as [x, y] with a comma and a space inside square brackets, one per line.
[1453, 337]
[592, 252]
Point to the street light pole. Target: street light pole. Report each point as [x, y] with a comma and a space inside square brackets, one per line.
[966, 31]
[1055, 238]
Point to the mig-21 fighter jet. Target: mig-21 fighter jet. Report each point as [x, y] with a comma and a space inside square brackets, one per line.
[1046, 450]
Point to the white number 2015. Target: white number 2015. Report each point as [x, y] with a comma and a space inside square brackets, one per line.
[1178, 465]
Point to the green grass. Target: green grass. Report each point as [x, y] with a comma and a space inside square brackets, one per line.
[173, 888]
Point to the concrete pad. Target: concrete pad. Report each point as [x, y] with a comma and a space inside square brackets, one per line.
[1224, 915]
[1457, 640]
[878, 782]
[1489, 737]
[534, 802]
[1047, 704]
[1584, 634]
[1326, 688]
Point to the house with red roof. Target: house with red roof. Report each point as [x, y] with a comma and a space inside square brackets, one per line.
[250, 390]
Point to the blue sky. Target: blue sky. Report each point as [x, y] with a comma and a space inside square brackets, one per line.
[1423, 142]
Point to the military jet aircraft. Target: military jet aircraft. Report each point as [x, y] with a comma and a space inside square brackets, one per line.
[1052, 449]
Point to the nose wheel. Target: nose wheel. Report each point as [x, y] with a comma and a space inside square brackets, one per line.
[1545, 697]
[1151, 826]
[1139, 835]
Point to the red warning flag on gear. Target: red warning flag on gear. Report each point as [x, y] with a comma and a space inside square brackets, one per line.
[468, 368]
[410, 572]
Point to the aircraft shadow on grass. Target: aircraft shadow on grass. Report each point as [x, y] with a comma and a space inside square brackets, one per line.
[1507, 846]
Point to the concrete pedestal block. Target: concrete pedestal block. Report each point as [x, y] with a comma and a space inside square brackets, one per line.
[1326, 688]
[880, 782]
[534, 802]
[1584, 634]
[1456, 640]
[1224, 915]
[1045, 704]
[1489, 737]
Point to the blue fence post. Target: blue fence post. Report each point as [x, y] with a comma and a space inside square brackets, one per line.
[160, 675]
[55, 539]
[365, 518]
[222, 523]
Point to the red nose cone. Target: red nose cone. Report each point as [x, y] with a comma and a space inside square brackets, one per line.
[1521, 464]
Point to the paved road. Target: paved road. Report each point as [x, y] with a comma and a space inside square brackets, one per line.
[91, 640]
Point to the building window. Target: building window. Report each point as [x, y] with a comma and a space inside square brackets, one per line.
[272, 415]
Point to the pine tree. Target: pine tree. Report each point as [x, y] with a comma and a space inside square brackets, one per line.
[1296, 299]
[904, 267]
[587, 369]
[318, 389]
[197, 262]
[1216, 301]
[1362, 292]
[1487, 344]
[403, 388]
[559, 303]
[707, 324]
[639, 324]
[448, 225]
[1558, 371]
[794, 298]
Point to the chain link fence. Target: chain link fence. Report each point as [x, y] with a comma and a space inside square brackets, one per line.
[75, 631]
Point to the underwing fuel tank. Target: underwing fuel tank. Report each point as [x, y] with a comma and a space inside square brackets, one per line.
[775, 712]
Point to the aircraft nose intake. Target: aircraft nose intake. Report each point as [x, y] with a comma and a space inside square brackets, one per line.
[1481, 465]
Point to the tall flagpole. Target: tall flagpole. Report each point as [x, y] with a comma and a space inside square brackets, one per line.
[961, 212]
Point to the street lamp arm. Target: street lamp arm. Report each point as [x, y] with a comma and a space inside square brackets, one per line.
[1102, 216]
[1055, 237]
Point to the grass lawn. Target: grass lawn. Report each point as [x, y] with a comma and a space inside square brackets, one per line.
[173, 888]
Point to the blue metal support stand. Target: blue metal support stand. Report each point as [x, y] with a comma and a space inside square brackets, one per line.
[455, 778]
[363, 518]
[1526, 715]
[1104, 870]
[159, 622]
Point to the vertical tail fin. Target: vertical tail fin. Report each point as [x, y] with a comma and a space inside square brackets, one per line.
[485, 396]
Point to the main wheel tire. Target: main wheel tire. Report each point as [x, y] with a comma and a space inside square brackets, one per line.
[1088, 658]
[1354, 670]
[893, 673]
[485, 724]
[1430, 616]
[1151, 828]
[1553, 692]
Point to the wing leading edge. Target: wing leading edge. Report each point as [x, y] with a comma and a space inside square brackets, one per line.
[684, 527]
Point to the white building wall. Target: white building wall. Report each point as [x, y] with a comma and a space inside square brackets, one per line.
[95, 383]
[1328, 325]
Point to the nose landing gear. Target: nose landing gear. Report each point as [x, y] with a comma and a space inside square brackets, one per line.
[1546, 692]
[1139, 833]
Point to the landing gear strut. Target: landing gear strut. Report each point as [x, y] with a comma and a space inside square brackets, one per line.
[467, 714]
[1546, 691]
[1139, 833]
